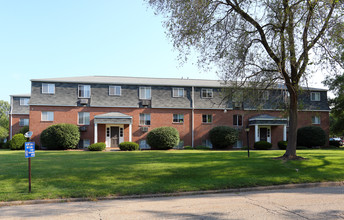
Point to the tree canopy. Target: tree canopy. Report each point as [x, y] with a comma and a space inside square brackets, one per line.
[4, 111]
[336, 85]
[266, 42]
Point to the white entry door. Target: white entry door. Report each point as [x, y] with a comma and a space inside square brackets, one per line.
[265, 133]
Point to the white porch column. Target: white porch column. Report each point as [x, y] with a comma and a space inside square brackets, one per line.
[95, 133]
[284, 132]
[130, 132]
[256, 132]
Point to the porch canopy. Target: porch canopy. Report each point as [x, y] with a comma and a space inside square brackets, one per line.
[268, 120]
[116, 118]
[113, 118]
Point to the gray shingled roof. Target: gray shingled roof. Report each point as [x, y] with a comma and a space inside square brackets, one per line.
[124, 80]
[134, 81]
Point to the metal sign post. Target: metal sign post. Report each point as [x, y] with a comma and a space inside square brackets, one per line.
[29, 152]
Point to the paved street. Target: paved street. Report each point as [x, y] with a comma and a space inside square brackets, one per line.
[307, 203]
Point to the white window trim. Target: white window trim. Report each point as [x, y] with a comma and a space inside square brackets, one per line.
[207, 119]
[79, 91]
[237, 121]
[178, 118]
[83, 118]
[48, 112]
[22, 102]
[24, 120]
[48, 85]
[315, 99]
[207, 91]
[176, 95]
[120, 91]
[317, 120]
[141, 95]
[145, 119]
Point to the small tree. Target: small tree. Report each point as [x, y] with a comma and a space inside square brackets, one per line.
[163, 138]
[60, 136]
[17, 142]
[223, 136]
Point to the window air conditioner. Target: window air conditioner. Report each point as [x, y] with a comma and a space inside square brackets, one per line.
[145, 102]
[83, 101]
[144, 129]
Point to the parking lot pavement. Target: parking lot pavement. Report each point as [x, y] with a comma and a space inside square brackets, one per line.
[300, 203]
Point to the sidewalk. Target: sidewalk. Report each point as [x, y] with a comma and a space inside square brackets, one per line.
[293, 203]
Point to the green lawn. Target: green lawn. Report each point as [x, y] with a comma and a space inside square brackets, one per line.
[65, 174]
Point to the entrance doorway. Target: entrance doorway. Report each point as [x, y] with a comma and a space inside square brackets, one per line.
[263, 134]
[114, 136]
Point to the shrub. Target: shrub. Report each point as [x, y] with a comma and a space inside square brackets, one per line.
[163, 138]
[187, 148]
[223, 136]
[17, 142]
[282, 145]
[311, 136]
[262, 145]
[202, 147]
[129, 146]
[97, 146]
[24, 129]
[335, 143]
[60, 137]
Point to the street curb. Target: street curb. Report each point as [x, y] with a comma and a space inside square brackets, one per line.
[236, 190]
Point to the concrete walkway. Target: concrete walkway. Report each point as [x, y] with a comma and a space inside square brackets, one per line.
[300, 203]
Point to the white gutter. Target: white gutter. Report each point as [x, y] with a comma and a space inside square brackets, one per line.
[193, 117]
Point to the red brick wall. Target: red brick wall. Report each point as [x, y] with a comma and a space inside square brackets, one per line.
[164, 117]
[15, 123]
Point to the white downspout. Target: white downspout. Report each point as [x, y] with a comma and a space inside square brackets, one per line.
[193, 118]
[95, 133]
[130, 131]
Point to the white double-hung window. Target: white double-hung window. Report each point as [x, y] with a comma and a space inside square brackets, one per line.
[207, 93]
[84, 91]
[24, 122]
[315, 96]
[24, 101]
[83, 118]
[47, 116]
[115, 90]
[145, 119]
[178, 118]
[315, 120]
[145, 93]
[48, 88]
[178, 92]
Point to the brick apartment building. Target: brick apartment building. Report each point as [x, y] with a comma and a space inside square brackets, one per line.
[116, 109]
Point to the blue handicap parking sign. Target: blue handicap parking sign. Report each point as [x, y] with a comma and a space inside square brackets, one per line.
[29, 149]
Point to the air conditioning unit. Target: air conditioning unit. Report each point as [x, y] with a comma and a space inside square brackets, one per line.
[146, 102]
[144, 129]
[83, 101]
[237, 104]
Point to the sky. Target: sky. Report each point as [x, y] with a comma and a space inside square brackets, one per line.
[50, 39]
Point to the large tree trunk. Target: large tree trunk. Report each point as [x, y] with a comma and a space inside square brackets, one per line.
[292, 134]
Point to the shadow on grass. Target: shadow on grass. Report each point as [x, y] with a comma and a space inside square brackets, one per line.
[89, 174]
